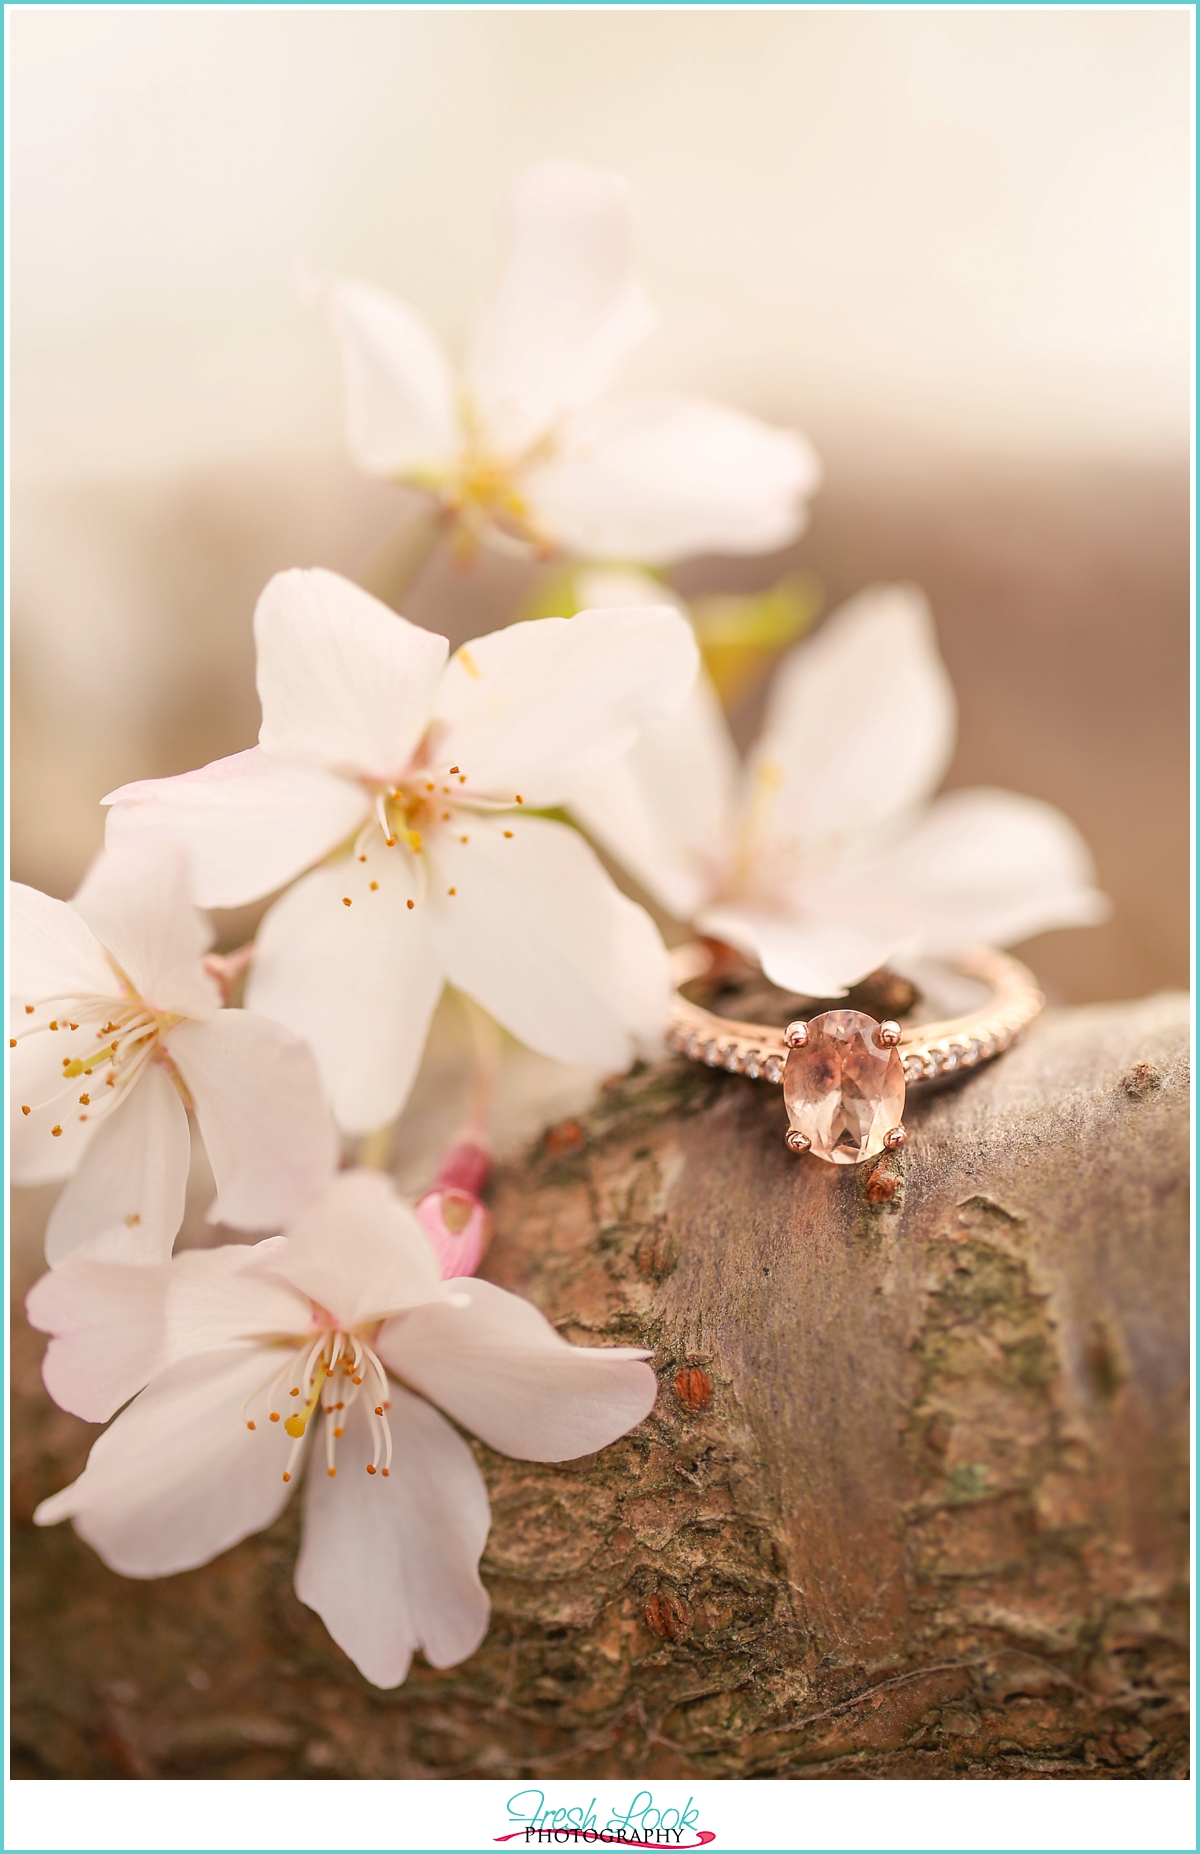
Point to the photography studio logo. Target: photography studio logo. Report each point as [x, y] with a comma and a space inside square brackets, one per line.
[643, 1824]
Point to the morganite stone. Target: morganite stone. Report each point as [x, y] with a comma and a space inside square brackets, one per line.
[842, 1091]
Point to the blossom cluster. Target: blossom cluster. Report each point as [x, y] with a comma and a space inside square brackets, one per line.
[419, 818]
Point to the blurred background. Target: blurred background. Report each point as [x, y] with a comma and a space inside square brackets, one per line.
[951, 246]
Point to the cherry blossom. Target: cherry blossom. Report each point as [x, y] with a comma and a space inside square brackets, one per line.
[319, 1355]
[527, 451]
[826, 855]
[116, 1031]
[410, 781]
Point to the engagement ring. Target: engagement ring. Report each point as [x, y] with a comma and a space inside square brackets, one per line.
[844, 1074]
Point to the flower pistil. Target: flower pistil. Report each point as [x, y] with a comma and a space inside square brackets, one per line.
[331, 1373]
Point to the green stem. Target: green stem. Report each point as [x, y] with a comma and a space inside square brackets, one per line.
[485, 1036]
[375, 1149]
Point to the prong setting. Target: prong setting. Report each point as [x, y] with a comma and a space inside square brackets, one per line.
[796, 1034]
[796, 1142]
[895, 1138]
[888, 1033]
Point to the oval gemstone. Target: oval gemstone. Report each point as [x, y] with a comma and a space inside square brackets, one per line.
[842, 1090]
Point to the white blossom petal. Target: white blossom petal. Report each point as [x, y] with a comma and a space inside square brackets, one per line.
[659, 478]
[538, 707]
[539, 935]
[665, 811]
[566, 308]
[137, 901]
[400, 393]
[859, 728]
[359, 1251]
[979, 866]
[814, 952]
[620, 588]
[390, 1565]
[178, 1477]
[52, 952]
[249, 823]
[344, 682]
[358, 983]
[133, 1174]
[268, 1133]
[35, 1080]
[115, 1327]
[498, 1367]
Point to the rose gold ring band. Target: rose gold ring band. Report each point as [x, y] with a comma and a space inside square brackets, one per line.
[927, 1050]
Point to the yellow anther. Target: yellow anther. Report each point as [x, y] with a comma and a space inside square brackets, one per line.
[298, 1423]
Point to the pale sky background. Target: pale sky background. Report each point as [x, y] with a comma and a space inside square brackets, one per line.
[969, 226]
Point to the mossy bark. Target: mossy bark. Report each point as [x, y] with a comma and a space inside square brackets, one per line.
[912, 1502]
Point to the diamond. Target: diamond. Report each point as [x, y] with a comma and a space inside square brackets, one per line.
[750, 1066]
[730, 1058]
[844, 1092]
[773, 1068]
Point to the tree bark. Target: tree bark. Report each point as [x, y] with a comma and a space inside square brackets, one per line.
[912, 1502]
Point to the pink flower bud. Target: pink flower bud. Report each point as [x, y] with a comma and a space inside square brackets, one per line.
[459, 1227]
[457, 1223]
